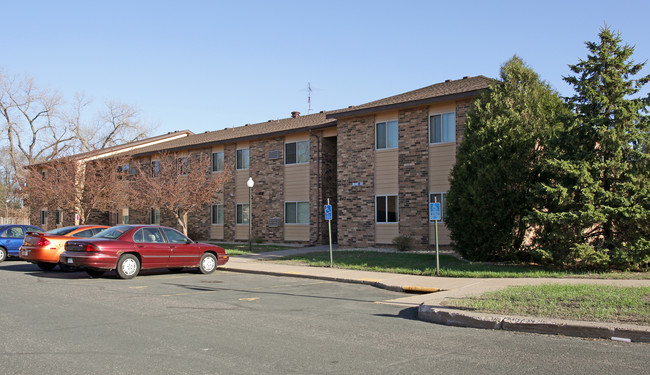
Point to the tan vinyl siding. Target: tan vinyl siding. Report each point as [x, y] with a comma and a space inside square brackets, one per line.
[386, 116]
[241, 189]
[386, 172]
[296, 137]
[296, 182]
[217, 148]
[241, 232]
[216, 232]
[384, 233]
[441, 160]
[443, 235]
[296, 232]
[329, 132]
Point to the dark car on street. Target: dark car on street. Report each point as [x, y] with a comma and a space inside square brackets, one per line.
[11, 238]
[130, 248]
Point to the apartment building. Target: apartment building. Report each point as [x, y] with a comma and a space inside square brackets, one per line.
[379, 164]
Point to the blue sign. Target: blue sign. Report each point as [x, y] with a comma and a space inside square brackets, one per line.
[328, 212]
[434, 211]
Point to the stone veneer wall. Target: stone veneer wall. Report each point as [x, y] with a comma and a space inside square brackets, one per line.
[414, 175]
[355, 185]
[268, 192]
[230, 159]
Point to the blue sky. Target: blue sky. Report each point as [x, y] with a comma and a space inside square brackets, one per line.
[206, 65]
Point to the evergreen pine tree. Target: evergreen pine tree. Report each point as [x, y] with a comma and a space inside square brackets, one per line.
[498, 164]
[597, 211]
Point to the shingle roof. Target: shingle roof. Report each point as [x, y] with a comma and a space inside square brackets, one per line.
[448, 90]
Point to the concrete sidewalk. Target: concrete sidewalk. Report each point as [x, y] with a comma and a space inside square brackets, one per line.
[433, 291]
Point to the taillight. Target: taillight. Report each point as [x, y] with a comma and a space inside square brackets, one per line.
[43, 242]
[91, 247]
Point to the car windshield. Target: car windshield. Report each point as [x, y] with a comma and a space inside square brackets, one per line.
[113, 233]
[61, 231]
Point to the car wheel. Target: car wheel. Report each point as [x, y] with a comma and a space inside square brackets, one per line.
[66, 268]
[94, 273]
[46, 266]
[128, 266]
[208, 263]
[3, 254]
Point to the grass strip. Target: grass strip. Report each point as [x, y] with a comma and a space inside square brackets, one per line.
[425, 264]
[602, 303]
[242, 248]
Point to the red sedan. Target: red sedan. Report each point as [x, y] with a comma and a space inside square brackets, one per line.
[130, 248]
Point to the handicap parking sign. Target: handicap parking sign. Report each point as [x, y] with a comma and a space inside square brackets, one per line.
[328, 212]
[434, 211]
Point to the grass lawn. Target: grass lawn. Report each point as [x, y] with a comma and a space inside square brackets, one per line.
[576, 302]
[242, 248]
[425, 264]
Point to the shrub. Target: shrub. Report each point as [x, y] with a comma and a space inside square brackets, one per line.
[403, 243]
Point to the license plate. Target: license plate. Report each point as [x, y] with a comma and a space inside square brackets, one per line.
[70, 260]
[25, 253]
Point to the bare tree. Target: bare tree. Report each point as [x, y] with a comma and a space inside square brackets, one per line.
[79, 186]
[179, 184]
[116, 123]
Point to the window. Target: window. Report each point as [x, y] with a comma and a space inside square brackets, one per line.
[217, 161]
[154, 216]
[242, 158]
[174, 236]
[85, 233]
[296, 212]
[442, 128]
[148, 235]
[58, 217]
[386, 135]
[296, 152]
[217, 214]
[43, 217]
[183, 165]
[386, 209]
[14, 232]
[442, 199]
[155, 168]
[243, 213]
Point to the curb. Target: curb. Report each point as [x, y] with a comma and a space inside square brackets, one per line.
[610, 331]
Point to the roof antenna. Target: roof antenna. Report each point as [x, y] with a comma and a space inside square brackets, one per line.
[309, 97]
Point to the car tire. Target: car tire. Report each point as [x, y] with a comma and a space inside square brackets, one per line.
[46, 266]
[95, 273]
[208, 263]
[128, 266]
[3, 254]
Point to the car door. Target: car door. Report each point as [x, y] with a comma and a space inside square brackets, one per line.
[152, 246]
[12, 239]
[184, 253]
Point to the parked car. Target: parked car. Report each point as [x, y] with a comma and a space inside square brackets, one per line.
[11, 237]
[44, 248]
[130, 248]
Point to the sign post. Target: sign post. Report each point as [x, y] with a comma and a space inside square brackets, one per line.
[328, 217]
[434, 215]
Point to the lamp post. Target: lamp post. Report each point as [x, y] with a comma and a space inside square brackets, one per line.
[250, 183]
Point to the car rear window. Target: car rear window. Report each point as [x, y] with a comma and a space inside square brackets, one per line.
[112, 233]
[61, 231]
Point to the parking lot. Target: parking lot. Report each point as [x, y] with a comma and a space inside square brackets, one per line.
[163, 322]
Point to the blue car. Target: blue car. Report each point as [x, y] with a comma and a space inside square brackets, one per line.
[11, 238]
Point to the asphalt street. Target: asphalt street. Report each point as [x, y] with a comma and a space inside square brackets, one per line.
[232, 323]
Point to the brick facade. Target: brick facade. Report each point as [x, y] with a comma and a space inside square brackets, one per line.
[268, 192]
[413, 174]
[355, 183]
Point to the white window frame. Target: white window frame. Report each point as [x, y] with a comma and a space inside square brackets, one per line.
[388, 144]
[218, 207]
[155, 168]
[248, 159]
[443, 204]
[297, 203]
[217, 153]
[386, 207]
[299, 160]
[43, 217]
[444, 137]
[244, 220]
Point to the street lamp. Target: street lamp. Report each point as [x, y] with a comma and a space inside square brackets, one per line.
[250, 183]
